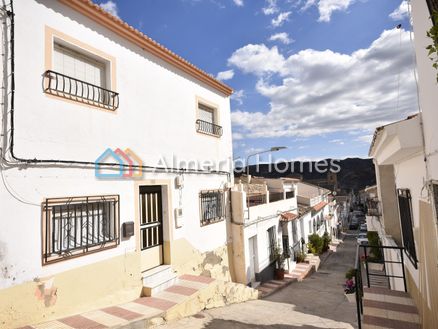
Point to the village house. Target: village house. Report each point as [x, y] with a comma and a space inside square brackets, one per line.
[274, 213]
[406, 160]
[316, 200]
[262, 213]
[96, 207]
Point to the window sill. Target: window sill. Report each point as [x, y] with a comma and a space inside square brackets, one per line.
[211, 222]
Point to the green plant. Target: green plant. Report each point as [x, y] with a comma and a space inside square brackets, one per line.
[326, 239]
[300, 257]
[350, 274]
[433, 48]
[315, 244]
[374, 240]
[279, 258]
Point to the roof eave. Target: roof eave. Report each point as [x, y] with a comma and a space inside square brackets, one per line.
[121, 28]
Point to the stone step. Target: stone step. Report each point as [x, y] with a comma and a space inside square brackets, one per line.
[158, 279]
[189, 296]
[384, 308]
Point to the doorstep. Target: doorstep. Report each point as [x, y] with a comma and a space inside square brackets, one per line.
[141, 312]
[301, 271]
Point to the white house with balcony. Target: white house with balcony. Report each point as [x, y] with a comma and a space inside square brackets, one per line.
[316, 200]
[115, 160]
[263, 214]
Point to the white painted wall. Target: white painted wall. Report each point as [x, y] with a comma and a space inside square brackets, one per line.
[405, 179]
[428, 87]
[156, 119]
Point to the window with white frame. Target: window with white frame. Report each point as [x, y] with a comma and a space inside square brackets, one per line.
[78, 65]
[80, 76]
[207, 120]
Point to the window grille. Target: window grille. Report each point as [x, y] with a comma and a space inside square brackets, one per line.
[79, 225]
[212, 207]
[405, 207]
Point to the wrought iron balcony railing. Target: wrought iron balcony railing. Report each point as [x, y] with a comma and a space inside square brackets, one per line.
[61, 85]
[208, 128]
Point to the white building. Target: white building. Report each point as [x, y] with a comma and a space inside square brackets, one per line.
[263, 219]
[317, 200]
[78, 82]
[406, 159]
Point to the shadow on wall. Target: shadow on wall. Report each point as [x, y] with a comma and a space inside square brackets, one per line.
[220, 324]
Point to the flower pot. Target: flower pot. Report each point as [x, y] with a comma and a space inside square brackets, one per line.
[279, 274]
[375, 267]
[351, 297]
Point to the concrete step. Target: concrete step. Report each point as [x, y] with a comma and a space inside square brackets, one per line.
[158, 279]
[384, 308]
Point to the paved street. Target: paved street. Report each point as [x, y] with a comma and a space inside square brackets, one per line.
[317, 302]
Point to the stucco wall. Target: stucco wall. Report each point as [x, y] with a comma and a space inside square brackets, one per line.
[428, 87]
[156, 119]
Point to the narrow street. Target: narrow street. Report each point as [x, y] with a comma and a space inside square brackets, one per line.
[317, 302]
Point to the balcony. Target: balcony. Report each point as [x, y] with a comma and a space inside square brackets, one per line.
[208, 128]
[61, 85]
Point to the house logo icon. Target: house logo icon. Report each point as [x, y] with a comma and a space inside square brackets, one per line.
[126, 164]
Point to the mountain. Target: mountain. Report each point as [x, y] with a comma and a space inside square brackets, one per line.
[340, 175]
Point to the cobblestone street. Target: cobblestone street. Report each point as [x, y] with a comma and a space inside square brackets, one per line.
[316, 302]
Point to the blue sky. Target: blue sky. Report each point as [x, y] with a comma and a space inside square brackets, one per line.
[316, 76]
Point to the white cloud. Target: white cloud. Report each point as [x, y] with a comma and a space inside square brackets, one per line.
[401, 12]
[282, 37]
[111, 7]
[324, 91]
[364, 139]
[337, 141]
[327, 7]
[257, 59]
[280, 19]
[225, 75]
[238, 3]
[271, 7]
[238, 96]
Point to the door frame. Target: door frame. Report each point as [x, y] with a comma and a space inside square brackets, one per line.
[166, 196]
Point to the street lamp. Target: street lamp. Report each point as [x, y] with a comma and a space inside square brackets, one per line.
[272, 149]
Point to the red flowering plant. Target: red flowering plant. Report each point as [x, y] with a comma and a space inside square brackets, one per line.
[349, 287]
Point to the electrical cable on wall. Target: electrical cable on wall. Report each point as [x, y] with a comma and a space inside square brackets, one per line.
[36, 161]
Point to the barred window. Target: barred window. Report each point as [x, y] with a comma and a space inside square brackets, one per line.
[79, 225]
[272, 240]
[435, 198]
[405, 207]
[212, 207]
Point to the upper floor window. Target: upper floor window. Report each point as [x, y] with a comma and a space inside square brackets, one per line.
[212, 207]
[76, 226]
[75, 72]
[207, 120]
[405, 207]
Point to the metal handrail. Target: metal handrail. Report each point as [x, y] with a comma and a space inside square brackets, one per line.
[208, 128]
[61, 85]
[358, 273]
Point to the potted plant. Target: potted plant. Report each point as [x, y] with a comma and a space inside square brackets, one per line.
[350, 290]
[280, 260]
[350, 286]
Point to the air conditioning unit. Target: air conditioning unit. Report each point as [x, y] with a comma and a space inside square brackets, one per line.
[178, 217]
